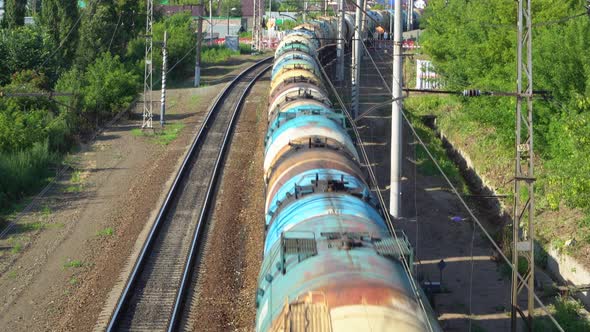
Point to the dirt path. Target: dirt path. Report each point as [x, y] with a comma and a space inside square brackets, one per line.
[474, 285]
[59, 265]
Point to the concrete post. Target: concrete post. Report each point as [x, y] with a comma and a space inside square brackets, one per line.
[356, 58]
[396, 116]
[164, 69]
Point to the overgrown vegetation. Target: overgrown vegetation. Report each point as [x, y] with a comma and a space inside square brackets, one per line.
[99, 60]
[216, 54]
[73, 264]
[568, 314]
[56, 54]
[423, 161]
[109, 231]
[162, 137]
[473, 46]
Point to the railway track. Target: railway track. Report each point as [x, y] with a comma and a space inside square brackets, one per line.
[154, 294]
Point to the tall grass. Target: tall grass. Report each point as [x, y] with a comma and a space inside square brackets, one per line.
[216, 54]
[24, 172]
[245, 48]
[568, 313]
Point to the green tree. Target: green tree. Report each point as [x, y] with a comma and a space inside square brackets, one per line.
[24, 120]
[181, 41]
[96, 32]
[473, 45]
[108, 86]
[24, 48]
[131, 21]
[14, 14]
[60, 18]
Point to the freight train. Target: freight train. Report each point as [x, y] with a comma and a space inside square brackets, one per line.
[330, 262]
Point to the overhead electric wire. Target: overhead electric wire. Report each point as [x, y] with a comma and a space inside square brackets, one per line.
[115, 32]
[472, 215]
[90, 3]
[404, 261]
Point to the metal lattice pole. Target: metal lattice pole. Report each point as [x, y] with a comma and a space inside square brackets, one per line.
[148, 68]
[257, 22]
[197, 82]
[523, 211]
[340, 43]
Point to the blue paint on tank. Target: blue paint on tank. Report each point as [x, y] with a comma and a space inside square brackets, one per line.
[295, 46]
[288, 113]
[341, 205]
[309, 122]
[296, 63]
[306, 182]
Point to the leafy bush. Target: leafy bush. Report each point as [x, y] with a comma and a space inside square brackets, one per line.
[217, 53]
[26, 48]
[24, 120]
[473, 45]
[108, 86]
[567, 313]
[245, 48]
[24, 172]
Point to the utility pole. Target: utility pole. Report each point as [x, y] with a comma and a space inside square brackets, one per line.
[523, 232]
[254, 25]
[396, 116]
[305, 11]
[164, 69]
[257, 24]
[148, 68]
[356, 58]
[410, 12]
[268, 22]
[210, 21]
[390, 19]
[257, 30]
[340, 42]
[199, 44]
[364, 31]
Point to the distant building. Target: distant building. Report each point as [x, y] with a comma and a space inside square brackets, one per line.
[195, 10]
[248, 13]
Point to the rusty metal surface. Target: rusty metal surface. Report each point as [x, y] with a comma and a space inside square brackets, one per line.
[310, 127]
[300, 74]
[291, 91]
[330, 263]
[309, 159]
[300, 107]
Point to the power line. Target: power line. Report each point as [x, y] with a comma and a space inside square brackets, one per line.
[62, 42]
[472, 215]
[34, 94]
[115, 32]
[405, 264]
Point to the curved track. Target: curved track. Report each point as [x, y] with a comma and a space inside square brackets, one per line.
[156, 289]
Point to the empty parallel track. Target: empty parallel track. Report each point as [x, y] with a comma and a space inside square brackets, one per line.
[153, 296]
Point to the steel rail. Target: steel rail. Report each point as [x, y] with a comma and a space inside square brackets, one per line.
[173, 192]
[205, 211]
